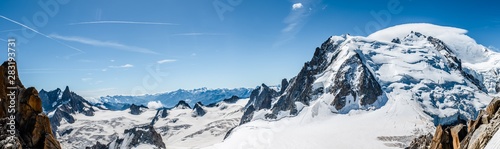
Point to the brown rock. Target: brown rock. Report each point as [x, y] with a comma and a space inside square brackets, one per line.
[458, 133]
[484, 127]
[493, 107]
[441, 139]
[33, 128]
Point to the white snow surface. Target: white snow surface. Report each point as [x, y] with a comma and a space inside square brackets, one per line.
[494, 143]
[178, 130]
[465, 47]
[421, 88]
[391, 126]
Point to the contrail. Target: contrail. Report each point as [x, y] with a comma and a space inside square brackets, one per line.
[10, 30]
[3, 40]
[122, 22]
[41, 33]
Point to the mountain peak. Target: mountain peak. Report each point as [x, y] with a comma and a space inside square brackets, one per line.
[182, 105]
[456, 39]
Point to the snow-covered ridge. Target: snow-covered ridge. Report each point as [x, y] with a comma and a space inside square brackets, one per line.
[429, 75]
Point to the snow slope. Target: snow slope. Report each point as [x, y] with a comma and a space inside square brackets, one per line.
[425, 75]
[476, 58]
[317, 127]
[180, 129]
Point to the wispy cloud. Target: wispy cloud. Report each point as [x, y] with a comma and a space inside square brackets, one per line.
[297, 6]
[10, 30]
[86, 61]
[86, 79]
[123, 66]
[198, 34]
[50, 70]
[166, 61]
[3, 40]
[296, 20]
[122, 22]
[107, 44]
[29, 28]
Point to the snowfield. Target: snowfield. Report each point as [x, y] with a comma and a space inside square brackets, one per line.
[394, 125]
[426, 75]
[180, 129]
[423, 83]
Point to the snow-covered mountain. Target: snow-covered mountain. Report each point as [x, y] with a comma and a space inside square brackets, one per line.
[63, 105]
[78, 123]
[177, 127]
[383, 90]
[169, 99]
[379, 91]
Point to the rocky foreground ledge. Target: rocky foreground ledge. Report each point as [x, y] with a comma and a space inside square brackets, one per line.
[22, 121]
[476, 134]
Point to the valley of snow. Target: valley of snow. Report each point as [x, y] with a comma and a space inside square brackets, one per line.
[179, 129]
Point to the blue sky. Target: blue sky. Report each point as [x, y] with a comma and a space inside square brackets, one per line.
[127, 47]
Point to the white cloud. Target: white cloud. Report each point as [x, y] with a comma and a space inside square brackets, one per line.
[296, 20]
[127, 66]
[297, 6]
[112, 60]
[166, 61]
[155, 105]
[122, 22]
[106, 44]
[86, 79]
[198, 34]
[122, 66]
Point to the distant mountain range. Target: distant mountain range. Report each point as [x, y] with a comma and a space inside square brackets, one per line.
[169, 99]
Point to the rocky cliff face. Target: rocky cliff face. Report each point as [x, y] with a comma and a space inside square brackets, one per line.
[63, 105]
[32, 128]
[355, 86]
[137, 109]
[135, 137]
[198, 110]
[182, 105]
[475, 135]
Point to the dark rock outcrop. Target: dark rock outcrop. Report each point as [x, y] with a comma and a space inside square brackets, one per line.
[136, 110]
[198, 109]
[260, 98]
[284, 85]
[233, 99]
[421, 142]
[367, 90]
[300, 88]
[164, 113]
[70, 103]
[498, 87]
[32, 128]
[137, 136]
[182, 105]
[98, 145]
